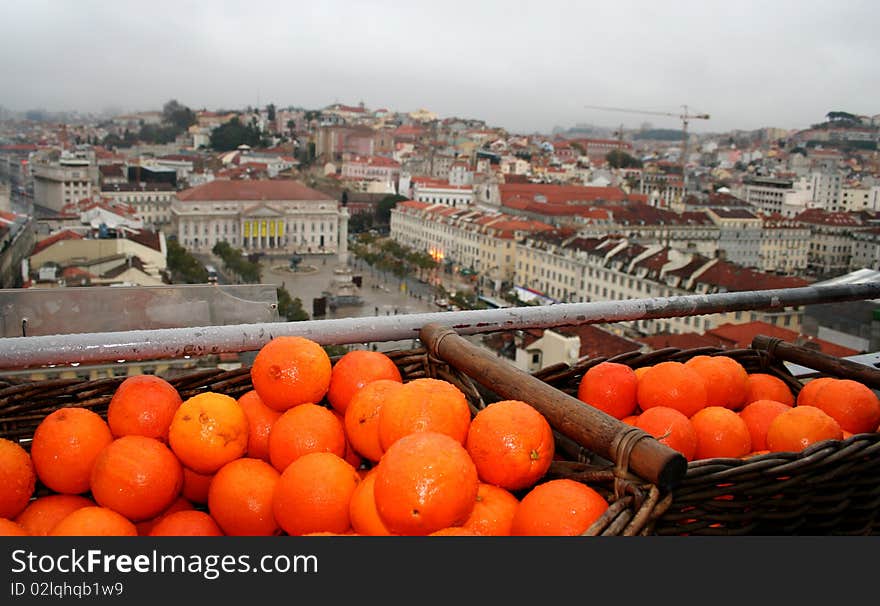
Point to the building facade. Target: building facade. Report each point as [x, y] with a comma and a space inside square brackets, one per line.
[278, 216]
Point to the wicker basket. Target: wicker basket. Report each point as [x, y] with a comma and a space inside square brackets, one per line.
[832, 487]
[23, 404]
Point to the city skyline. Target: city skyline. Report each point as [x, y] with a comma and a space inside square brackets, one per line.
[520, 66]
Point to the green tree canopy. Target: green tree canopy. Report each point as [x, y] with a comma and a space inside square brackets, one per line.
[291, 309]
[386, 204]
[620, 159]
[229, 136]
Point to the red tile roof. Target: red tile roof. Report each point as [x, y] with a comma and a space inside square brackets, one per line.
[818, 216]
[61, 235]
[688, 340]
[735, 278]
[741, 336]
[256, 189]
[597, 342]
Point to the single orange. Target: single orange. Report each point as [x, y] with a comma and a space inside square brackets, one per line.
[721, 433]
[288, 371]
[493, 512]
[351, 455]
[356, 369]
[425, 481]
[17, 478]
[561, 507]
[136, 476]
[94, 522]
[65, 446]
[303, 429]
[195, 486]
[143, 405]
[806, 396]
[362, 417]
[631, 420]
[365, 518]
[610, 387]
[11, 528]
[191, 523]
[511, 444]
[798, 428]
[314, 494]
[144, 527]
[424, 404]
[852, 404]
[670, 427]
[260, 418]
[758, 415]
[454, 531]
[673, 385]
[41, 515]
[726, 380]
[208, 431]
[240, 498]
[762, 386]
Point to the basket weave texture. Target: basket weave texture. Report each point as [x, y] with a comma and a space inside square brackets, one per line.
[830, 488]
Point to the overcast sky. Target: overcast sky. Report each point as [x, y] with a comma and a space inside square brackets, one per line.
[525, 66]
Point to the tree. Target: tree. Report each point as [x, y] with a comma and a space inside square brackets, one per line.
[270, 109]
[618, 158]
[179, 116]
[229, 136]
[183, 266]
[291, 309]
[386, 204]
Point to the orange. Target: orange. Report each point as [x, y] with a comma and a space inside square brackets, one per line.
[64, 448]
[17, 478]
[768, 387]
[365, 518]
[610, 387]
[94, 522]
[721, 432]
[136, 476]
[209, 430]
[362, 417]
[351, 455]
[288, 371]
[670, 427]
[795, 429]
[511, 444]
[673, 385]
[852, 404]
[454, 531]
[560, 507]
[424, 405]
[426, 481]
[195, 486]
[493, 512]
[314, 494]
[758, 415]
[10, 528]
[240, 498]
[807, 395]
[725, 379]
[631, 420]
[44, 512]
[145, 526]
[356, 369]
[640, 371]
[260, 420]
[303, 429]
[143, 405]
[189, 523]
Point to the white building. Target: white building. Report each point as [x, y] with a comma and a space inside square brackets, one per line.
[66, 179]
[432, 191]
[787, 197]
[269, 216]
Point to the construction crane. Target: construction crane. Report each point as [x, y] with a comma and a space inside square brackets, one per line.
[685, 116]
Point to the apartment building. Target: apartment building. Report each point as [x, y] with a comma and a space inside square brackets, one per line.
[739, 235]
[784, 245]
[482, 241]
[63, 178]
[268, 216]
[831, 241]
[769, 195]
[151, 201]
[866, 249]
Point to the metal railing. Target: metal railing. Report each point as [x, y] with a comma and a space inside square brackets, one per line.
[172, 343]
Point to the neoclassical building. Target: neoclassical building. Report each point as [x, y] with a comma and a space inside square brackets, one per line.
[270, 216]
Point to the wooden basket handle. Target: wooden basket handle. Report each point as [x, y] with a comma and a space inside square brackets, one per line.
[810, 358]
[590, 427]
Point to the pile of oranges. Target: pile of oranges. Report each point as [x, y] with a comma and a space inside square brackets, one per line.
[711, 407]
[315, 448]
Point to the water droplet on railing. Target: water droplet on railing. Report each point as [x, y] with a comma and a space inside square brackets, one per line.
[74, 364]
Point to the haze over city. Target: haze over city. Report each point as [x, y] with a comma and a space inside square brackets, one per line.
[521, 66]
